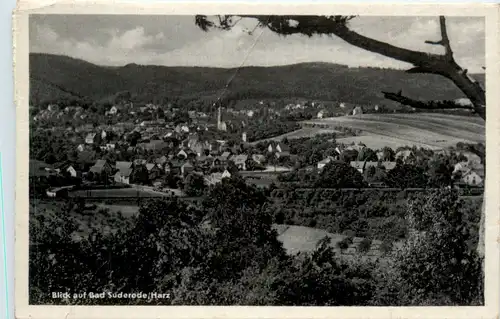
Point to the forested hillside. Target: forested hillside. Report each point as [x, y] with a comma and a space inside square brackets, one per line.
[53, 77]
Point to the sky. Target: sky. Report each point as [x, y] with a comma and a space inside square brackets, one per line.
[176, 41]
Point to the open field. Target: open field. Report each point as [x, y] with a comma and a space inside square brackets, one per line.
[430, 130]
[300, 133]
[297, 239]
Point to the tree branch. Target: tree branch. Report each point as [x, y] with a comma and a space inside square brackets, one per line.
[445, 41]
[443, 65]
[429, 105]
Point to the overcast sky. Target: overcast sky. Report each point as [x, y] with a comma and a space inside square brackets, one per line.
[175, 40]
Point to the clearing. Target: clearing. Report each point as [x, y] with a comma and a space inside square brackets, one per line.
[428, 130]
[297, 239]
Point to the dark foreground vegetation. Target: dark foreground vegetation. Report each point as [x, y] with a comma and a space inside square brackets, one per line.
[224, 251]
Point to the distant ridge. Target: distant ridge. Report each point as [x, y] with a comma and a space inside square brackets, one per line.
[55, 76]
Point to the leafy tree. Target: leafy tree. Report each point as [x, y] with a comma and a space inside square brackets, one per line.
[388, 154]
[349, 156]
[194, 184]
[435, 265]
[367, 154]
[364, 245]
[440, 173]
[139, 175]
[133, 138]
[340, 175]
[406, 176]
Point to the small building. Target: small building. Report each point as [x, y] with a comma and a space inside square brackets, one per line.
[358, 110]
[173, 167]
[324, 162]
[473, 178]
[278, 147]
[101, 167]
[259, 159]
[139, 161]
[91, 138]
[284, 154]
[405, 156]
[123, 165]
[113, 110]
[67, 169]
[123, 175]
[226, 174]
[153, 171]
[187, 168]
[182, 154]
[80, 148]
[111, 145]
[240, 161]
[154, 145]
[57, 192]
[161, 160]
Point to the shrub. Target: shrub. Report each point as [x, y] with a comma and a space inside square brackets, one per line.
[312, 223]
[342, 244]
[386, 247]
[364, 245]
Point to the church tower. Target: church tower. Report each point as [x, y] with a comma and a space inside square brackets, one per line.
[219, 118]
[221, 126]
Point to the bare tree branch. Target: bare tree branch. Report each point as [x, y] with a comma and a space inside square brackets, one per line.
[445, 41]
[443, 65]
[429, 105]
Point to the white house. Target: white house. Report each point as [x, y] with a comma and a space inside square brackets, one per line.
[472, 178]
[80, 148]
[113, 110]
[226, 174]
[72, 172]
[323, 163]
[357, 110]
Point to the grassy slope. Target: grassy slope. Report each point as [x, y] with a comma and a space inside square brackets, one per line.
[428, 130]
[320, 81]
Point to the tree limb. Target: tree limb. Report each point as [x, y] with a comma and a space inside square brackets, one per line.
[445, 41]
[337, 25]
[429, 105]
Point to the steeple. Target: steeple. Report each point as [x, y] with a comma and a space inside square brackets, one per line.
[219, 118]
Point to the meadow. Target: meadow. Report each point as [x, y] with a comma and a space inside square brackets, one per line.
[429, 130]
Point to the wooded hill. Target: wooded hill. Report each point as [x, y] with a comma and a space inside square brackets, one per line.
[53, 77]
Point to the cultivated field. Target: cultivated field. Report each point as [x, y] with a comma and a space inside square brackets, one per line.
[429, 130]
[300, 133]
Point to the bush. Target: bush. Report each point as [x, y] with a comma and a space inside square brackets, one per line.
[342, 244]
[386, 247]
[312, 223]
[364, 245]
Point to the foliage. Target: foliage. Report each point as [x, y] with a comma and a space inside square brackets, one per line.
[406, 176]
[194, 184]
[435, 262]
[339, 175]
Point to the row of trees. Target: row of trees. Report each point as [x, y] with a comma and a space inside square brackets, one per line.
[436, 173]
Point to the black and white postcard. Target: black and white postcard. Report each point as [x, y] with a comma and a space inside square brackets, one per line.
[186, 160]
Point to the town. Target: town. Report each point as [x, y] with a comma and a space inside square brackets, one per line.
[158, 155]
